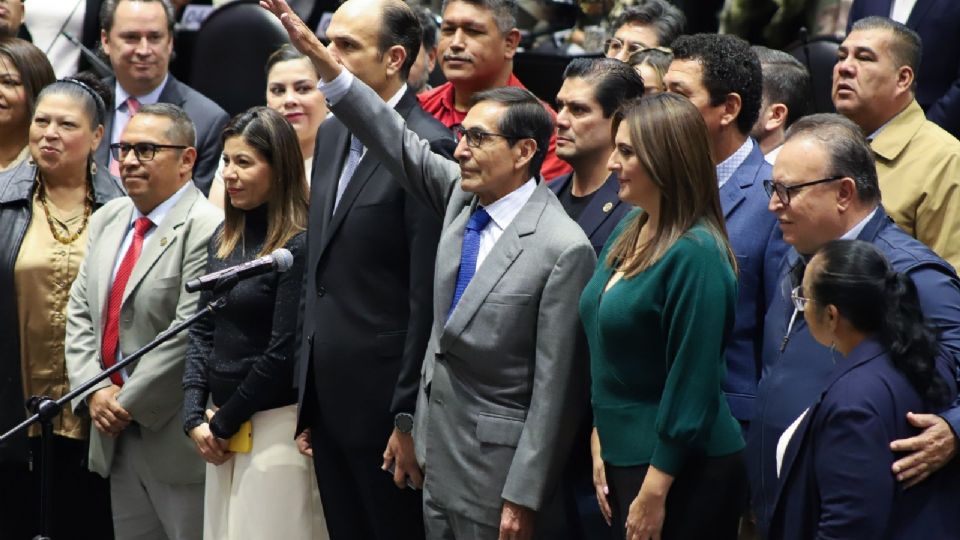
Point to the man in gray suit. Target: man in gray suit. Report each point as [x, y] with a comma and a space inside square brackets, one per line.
[501, 385]
[130, 287]
[137, 35]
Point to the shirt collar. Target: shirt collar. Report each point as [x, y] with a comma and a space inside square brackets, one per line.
[158, 214]
[727, 167]
[148, 99]
[853, 233]
[392, 102]
[503, 210]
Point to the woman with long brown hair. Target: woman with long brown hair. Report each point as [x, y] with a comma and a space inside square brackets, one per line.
[657, 314]
[45, 205]
[241, 359]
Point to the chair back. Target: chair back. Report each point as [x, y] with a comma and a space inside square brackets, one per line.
[819, 54]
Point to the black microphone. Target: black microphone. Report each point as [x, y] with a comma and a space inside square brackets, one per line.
[280, 260]
[102, 68]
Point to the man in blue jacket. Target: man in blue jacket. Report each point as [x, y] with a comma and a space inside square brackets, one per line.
[825, 187]
[722, 77]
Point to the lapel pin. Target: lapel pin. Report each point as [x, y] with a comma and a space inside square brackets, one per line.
[607, 207]
[163, 241]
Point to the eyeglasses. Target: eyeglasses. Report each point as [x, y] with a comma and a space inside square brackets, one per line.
[614, 46]
[783, 190]
[799, 301]
[476, 136]
[144, 151]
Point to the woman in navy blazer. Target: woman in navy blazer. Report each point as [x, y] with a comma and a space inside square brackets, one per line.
[834, 462]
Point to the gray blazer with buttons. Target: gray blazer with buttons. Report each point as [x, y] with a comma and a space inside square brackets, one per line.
[504, 379]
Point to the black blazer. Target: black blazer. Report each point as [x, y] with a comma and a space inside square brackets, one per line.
[207, 116]
[938, 79]
[603, 213]
[368, 288]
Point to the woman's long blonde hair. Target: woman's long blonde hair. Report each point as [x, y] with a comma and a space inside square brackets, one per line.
[269, 133]
[670, 140]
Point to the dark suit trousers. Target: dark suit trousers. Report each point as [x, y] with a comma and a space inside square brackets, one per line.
[360, 500]
[706, 499]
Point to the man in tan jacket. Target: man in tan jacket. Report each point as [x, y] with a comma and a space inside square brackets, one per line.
[130, 287]
[918, 163]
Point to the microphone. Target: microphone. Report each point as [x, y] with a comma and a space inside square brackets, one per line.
[280, 260]
[102, 68]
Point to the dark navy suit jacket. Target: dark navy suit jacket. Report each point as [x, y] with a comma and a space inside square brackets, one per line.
[758, 245]
[835, 481]
[603, 213]
[938, 79]
[796, 368]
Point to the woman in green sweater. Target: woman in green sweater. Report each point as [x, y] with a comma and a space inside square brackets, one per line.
[657, 314]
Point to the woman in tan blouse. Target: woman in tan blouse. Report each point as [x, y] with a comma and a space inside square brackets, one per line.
[45, 204]
[24, 71]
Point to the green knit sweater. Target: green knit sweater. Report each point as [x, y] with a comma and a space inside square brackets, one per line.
[656, 355]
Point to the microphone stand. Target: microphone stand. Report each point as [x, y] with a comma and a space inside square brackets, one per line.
[46, 409]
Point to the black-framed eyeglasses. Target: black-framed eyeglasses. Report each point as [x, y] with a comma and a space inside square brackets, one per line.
[144, 151]
[783, 190]
[476, 136]
[614, 46]
[799, 301]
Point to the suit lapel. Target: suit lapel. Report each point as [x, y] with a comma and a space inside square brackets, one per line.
[365, 169]
[110, 241]
[730, 197]
[448, 263]
[333, 140]
[919, 11]
[161, 240]
[731, 194]
[495, 265]
[601, 207]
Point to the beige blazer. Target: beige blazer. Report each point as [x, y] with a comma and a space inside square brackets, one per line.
[154, 300]
[918, 166]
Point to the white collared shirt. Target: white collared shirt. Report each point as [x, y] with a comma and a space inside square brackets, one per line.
[900, 10]
[120, 113]
[157, 215]
[727, 167]
[771, 156]
[853, 233]
[502, 213]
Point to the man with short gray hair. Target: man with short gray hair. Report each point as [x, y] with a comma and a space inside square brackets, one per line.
[143, 249]
[825, 188]
[918, 163]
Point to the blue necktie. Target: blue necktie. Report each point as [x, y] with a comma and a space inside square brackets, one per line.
[353, 159]
[468, 254]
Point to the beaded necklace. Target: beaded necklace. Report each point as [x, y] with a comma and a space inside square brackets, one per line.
[87, 210]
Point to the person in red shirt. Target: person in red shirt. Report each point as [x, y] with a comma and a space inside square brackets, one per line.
[478, 39]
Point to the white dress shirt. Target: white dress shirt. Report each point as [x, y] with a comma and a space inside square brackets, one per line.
[502, 213]
[900, 10]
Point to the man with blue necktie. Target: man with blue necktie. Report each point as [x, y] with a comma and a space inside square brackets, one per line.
[503, 380]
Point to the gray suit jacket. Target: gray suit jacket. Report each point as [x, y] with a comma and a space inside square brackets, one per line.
[208, 118]
[504, 379]
[153, 301]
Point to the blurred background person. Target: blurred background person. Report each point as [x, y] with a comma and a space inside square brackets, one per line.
[45, 22]
[652, 64]
[45, 204]
[11, 17]
[137, 36]
[243, 364]
[834, 461]
[786, 97]
[426, 61]
[657, 313]
[292, 92]
[24, 72]
[650, 23]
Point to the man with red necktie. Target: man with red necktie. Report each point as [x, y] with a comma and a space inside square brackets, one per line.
[130, 288]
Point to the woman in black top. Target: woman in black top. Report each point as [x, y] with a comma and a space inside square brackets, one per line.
[241, 359]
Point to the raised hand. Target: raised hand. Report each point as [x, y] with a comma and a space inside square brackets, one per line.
[303, 38]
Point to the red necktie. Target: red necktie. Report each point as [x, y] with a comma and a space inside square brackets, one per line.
[111, 330]
[132, 107]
